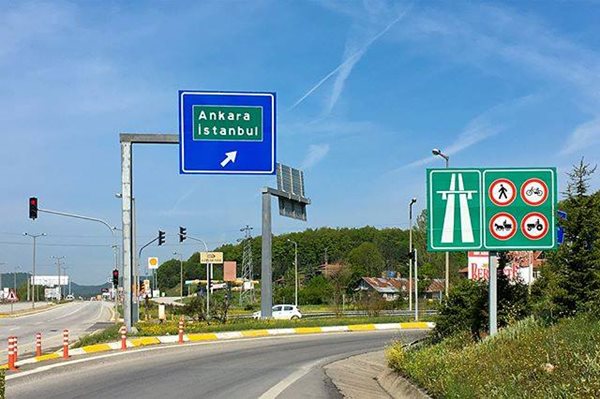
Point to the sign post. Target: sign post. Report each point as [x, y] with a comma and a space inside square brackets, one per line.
[210, 258]
[499, 209]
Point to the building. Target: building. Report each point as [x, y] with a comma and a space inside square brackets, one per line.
[391, 288]
[330, 269]
[524, 266]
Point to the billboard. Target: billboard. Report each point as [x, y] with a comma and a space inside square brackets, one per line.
[229, 270]
[478, 267]
[49, 280]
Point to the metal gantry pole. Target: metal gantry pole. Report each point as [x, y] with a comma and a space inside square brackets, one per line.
[128, 251]
[266, 280]
[493, 295]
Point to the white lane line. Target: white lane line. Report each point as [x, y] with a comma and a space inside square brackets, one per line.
[166, 347]
[277, 389]
[73, 312]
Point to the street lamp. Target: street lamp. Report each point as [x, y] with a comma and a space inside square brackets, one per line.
[35, 237]
[410, 249]
[295, 271]
[180, 275]
[438, 152]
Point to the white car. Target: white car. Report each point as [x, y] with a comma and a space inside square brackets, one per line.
[283, 312]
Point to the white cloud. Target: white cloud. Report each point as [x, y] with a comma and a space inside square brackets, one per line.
[352, 54]
[480, 128]
[584, 135]
[316, 153]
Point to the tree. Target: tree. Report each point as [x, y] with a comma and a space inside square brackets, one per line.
[366, 260]
[339, 282]
[571, 280]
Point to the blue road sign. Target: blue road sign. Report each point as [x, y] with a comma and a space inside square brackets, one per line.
[560, 235]
[226, 132]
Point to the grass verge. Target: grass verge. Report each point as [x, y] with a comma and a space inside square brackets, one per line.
[526, 360]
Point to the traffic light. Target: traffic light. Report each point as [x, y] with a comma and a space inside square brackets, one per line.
[116, 278]
[33, 208]
[182, 234]
[161, 237]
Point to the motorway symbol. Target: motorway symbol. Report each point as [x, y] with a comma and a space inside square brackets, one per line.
[534, 192]
[226, 132]
[454, 198]
[534, 225]
[502, 192]
[503, 226]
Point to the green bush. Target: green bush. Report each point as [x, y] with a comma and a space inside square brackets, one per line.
[2, 385]
[466, 308]
[525, 360]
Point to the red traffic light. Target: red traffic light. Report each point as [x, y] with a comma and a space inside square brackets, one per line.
[33, 208]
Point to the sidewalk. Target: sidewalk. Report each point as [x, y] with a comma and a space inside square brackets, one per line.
[367, 376]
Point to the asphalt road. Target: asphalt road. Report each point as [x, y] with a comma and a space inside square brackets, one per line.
[80, 318]
[284, 367]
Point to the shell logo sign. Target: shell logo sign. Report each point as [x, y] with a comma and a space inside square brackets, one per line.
[152, 262]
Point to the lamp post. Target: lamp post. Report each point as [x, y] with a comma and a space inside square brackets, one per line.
[180, 275]
[410, 251]
[59, 286]
[439, 153]
[295, 271]
[35, 237]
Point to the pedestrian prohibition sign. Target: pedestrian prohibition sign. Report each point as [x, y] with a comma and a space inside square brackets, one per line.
[491, 209]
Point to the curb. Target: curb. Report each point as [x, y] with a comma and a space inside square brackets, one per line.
[223, 336]
[27, 312]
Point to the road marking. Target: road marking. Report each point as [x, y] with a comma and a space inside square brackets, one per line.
[284, 384]
[165, 347]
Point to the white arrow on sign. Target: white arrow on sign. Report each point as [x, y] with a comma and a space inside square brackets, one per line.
[230, 157]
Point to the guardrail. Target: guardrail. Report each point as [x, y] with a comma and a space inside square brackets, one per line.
[353, 313]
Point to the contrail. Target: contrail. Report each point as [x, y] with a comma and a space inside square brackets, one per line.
[352, 59]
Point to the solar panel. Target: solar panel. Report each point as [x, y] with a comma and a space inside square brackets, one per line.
[290, 180]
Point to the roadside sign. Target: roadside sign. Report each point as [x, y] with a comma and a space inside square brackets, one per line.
[226, 132]
[12, 296]
[211, 257]
[491, 209]
[152, 262]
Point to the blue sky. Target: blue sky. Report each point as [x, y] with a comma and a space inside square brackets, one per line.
[365, 90]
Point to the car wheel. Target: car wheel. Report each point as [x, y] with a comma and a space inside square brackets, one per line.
[295, 318]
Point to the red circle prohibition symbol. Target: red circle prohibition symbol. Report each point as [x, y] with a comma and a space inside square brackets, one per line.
[544, 194]
[491, 192]
[492, 226]
[536, 226]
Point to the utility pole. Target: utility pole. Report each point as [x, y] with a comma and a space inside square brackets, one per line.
[59, 286]
[295, 271]
[65, 274]
[247, 268]
[14, 286]
[33, 294]
[180, 275]
[1, 290]
[410, 249]
[438, 152]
